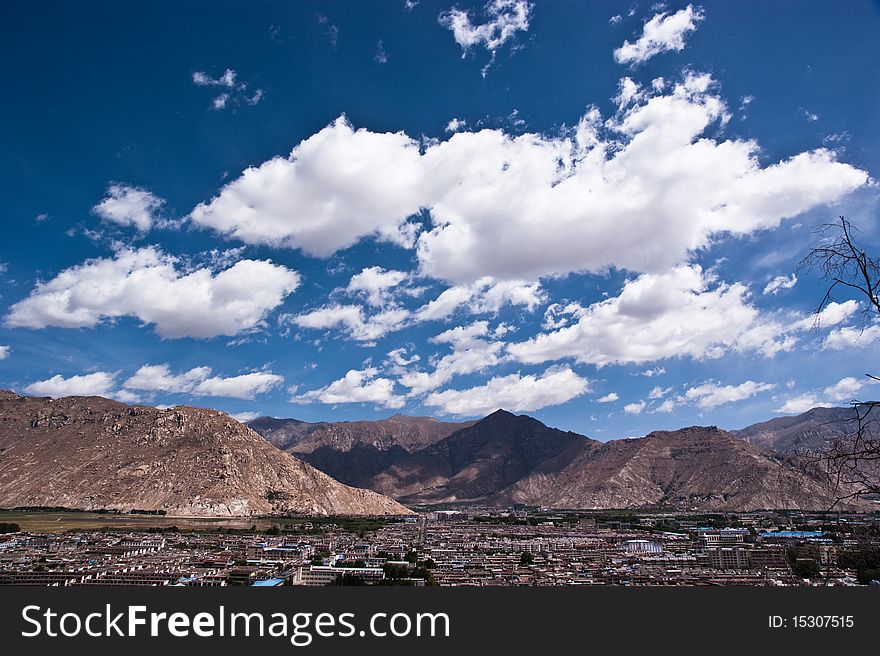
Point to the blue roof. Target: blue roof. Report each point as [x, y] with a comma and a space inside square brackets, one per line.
[268, 583]
[792, 534]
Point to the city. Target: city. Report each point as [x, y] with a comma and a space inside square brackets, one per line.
[473, 547]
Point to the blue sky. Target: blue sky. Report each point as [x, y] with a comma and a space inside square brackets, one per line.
[590, 212]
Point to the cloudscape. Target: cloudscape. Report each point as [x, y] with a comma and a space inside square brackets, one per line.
[591, 215]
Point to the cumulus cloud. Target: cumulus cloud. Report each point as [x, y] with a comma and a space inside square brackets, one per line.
[245, 417]
[641, 191]
[608, 398]
[158, 378]
[515, 392]
[682, 312]
[635, 408]
[844, 390]
[245, 386]
[126, 205]
[779, 283]
[474, 349]
[504, 18]
[483, 296]
[196, 381]
[357, 386]
[711, 395]
[153, 287]
[358, 325]
[849, 337]
[664, 32]
[337, 187]
[4, 352]
[99, 383]
[375, 284]
[798, 404]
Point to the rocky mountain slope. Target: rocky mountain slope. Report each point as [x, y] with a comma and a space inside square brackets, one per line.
[354, 451]
[814, 430]
[92, 453]
[697, 468]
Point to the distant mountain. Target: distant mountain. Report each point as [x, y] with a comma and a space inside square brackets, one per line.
[478, 462]
[354, 451]
[697, 468]
[92, 453]
[812, 431]
[506, 459]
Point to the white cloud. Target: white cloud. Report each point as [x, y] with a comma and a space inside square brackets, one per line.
[831, 315]
[504, 19]
[235, 91]
[471, 352]
[484, 296]
[150, 286]
[846, 388]
[657, 316]
[456, 124]
[664, 32]
[374, 283]
[357, 324]
[711, 395]
[516, 393]
[608, 398]
[4, 352]
[635, 408]
[851, 337]
[99, 383]
[126, 205]
[245, 417]
[245, 386]
[798, 404]
[357, 386]
[336, 188]
[780, 282]
[381, 56]
[659, 392]
[158, 378]
[641, 191]
[196, 381]
[656, 371]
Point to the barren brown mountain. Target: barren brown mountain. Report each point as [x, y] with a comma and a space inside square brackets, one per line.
[813, 431]
[697, 468]
[355, 451]
[91, 453]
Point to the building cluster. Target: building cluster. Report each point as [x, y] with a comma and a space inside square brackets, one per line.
[473, 548]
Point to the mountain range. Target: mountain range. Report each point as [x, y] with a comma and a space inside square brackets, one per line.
[505, 458]
[93, 453]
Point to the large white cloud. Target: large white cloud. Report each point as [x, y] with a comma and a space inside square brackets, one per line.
[641, 191]
[153, 287]
[662, 33]
[357, 386]
[99, 383]
[678, 313]
[336, 188]
[196, 381]
[129, 206]
[515, 392]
